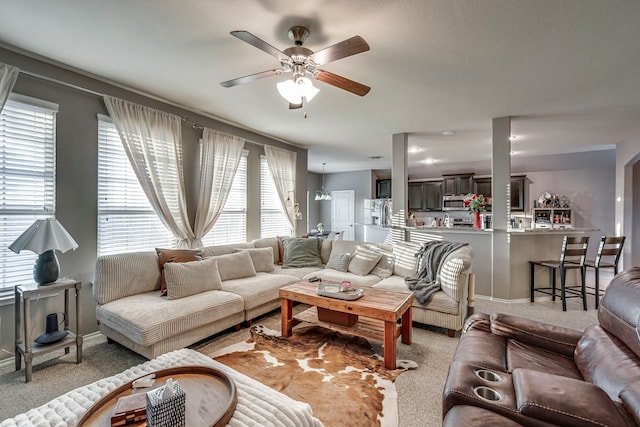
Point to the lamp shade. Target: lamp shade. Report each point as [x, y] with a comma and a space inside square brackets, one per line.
[44, 235]
[289, 91]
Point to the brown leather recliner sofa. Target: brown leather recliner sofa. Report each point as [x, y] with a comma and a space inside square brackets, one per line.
[512, 370]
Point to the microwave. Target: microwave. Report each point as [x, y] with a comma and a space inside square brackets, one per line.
[453, 203]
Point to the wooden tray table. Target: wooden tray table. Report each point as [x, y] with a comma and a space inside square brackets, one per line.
[211, 397]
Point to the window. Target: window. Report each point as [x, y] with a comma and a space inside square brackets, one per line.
[273, 219]
[27, 179]
[231, 226]
[126, 220]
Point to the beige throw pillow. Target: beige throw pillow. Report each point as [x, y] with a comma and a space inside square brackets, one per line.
[262, 258]
[190, 278]
[363, 261]
[384, 267]
[339, 262]
[235, 266]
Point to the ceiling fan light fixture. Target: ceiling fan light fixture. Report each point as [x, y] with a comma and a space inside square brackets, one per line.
[289, 91]
[306, 88]
[293, 90]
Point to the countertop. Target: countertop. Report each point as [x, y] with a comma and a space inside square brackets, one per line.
[527, 231]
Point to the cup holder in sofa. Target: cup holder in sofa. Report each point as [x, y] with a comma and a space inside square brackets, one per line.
[487, 393]
[488, 375]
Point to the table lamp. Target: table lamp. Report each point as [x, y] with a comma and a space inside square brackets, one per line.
[44, 237]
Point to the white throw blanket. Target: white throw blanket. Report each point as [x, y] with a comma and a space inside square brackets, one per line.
[258, 405]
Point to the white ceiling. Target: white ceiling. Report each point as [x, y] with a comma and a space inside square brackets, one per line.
[567, 71]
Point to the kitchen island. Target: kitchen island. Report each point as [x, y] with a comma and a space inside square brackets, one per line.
[523, 244]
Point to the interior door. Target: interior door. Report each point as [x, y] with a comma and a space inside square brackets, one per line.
[343, 209]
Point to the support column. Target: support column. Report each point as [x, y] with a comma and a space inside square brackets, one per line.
[500, 207]
[399, 188]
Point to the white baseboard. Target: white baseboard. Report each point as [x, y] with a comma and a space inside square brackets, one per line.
[511, 301]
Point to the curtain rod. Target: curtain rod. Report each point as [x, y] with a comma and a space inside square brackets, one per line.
[93, 92]
[194, 125]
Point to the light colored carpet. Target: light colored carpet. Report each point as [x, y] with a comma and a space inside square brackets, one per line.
[419, 391]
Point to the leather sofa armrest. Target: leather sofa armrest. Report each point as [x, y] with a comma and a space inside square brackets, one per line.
[563, 401]
[477, 321]
[555, 339]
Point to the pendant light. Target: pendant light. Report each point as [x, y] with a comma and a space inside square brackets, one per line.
[323, 194]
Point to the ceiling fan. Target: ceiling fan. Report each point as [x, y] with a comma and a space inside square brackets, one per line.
[302, 61]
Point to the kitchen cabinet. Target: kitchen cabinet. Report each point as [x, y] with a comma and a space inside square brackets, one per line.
[432, 196]
[415, 197]
[425, 196]
[383, 189]
[454, 185]
[483, 186]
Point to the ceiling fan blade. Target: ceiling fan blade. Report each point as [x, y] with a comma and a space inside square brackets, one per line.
[345, 48]
[250, 78]
[295, 106]
[247, 37]
[342, 83]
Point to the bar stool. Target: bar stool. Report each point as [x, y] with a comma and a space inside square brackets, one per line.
[572, 256]
[610, 249]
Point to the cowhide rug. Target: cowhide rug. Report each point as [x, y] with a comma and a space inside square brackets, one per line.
[340, 376]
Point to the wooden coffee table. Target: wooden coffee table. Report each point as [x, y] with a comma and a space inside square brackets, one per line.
[378, 312]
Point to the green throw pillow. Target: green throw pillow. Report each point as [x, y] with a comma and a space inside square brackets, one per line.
[299, 252]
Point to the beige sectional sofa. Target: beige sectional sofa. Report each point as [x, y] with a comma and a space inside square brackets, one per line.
[245, 285]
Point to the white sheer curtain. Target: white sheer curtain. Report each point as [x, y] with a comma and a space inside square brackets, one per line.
[282, 165]
[8, 77]
[152, 140]
[219, 158]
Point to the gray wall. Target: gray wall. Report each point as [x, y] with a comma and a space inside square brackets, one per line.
[76, 180]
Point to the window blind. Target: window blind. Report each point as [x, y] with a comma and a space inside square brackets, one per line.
[273, 219]
[231, 226]
[27, 179]
[126, 220]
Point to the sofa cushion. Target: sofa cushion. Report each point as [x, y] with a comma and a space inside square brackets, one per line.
[406, 262]
[258, 290]
[190, 278]
[175, 255]
[440, 301]
[300, 252]
[269, 242]
[146, 319]
[225, 249]
[262, 258]
[384, 267]
[617, 365]
[453, 279]
[329, 275]
[325, 250]
[563, 401]
[123, 275]
[235, 265]
[344, 247]
[280, 250]
[298, 273]
[520, 355]
[339, 262]
[363, 261]
[630, 396]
